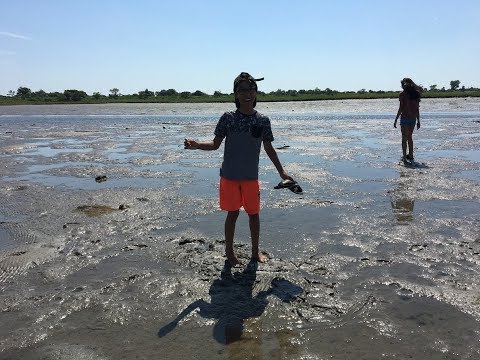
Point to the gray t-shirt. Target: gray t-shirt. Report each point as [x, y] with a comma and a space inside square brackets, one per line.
[244, 135]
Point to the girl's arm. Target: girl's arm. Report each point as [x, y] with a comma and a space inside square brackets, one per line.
[399, 112]
[398, 115]
[400, 107]
[418, 116]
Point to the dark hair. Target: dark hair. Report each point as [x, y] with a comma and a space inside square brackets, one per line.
[413, 90]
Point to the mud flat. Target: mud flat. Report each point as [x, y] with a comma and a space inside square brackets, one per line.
[111, 241]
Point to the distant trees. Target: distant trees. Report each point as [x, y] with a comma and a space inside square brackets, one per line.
[74, 95]
[169, 92]
[114, 92]
[454, 84]
[23, 92]
[198, 93]
[40, 94]
[145, 94]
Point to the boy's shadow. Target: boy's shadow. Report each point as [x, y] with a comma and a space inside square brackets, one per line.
[232, 302]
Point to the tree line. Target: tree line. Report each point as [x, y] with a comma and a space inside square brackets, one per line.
[26, 95]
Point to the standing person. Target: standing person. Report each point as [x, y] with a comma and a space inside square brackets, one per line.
[409, 113]
[245, 130]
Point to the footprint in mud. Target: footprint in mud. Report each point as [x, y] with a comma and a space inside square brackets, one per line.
[418, 247]
[36, 248]
[96, 210]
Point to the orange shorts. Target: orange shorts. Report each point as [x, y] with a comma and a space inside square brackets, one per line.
[237, 193]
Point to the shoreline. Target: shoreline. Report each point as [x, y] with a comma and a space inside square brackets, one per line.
[228, 99]
[278, 110]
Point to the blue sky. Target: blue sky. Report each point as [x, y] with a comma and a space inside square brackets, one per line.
[191, 45]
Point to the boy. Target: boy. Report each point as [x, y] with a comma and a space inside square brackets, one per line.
[244, 129]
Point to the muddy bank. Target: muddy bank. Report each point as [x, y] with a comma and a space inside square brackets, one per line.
[374, 260]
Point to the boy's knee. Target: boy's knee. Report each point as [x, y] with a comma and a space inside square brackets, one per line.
[233, 214]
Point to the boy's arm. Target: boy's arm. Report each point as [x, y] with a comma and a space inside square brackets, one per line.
[272, 154]
[205, 145]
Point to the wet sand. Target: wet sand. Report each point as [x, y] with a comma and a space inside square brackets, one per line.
[375, 259]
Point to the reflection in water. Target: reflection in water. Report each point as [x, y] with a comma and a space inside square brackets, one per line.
[402, 204]
[232, 302]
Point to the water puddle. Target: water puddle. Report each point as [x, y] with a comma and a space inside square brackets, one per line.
[6, 239]
[470, 155]
[360, 171]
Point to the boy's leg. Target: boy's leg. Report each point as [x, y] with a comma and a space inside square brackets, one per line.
[230, 222]
[254, 222]
[251, 204]
[230, 201]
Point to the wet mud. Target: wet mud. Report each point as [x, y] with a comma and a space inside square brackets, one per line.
[374, 260]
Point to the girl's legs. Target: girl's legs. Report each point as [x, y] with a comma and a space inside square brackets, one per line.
[404, 142]
[230, 223]
[407, 140]
[410, 141]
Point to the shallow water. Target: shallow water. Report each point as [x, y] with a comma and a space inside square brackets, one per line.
[374, 260]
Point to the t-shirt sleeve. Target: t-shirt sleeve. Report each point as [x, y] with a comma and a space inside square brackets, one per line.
[221, 128]
[267, 134]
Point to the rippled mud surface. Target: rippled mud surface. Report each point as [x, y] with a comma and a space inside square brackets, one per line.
[111, 241]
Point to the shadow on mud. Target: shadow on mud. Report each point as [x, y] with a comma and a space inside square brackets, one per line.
[232, 302]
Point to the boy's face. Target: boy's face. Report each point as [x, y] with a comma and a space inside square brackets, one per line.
[246, 92]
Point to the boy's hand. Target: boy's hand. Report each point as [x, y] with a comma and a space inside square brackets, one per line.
[285, 176]
[190, 144]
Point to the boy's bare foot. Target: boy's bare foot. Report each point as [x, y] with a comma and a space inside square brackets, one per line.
[232, 259]
[259, 257]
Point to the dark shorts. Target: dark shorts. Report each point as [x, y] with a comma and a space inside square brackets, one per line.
[407, 122]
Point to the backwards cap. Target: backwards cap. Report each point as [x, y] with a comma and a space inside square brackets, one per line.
[244, 77]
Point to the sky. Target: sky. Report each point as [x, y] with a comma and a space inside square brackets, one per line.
[188, 45]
